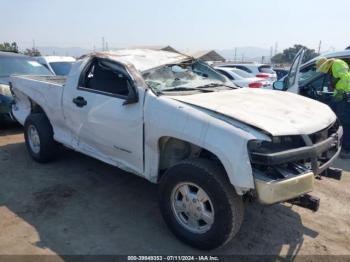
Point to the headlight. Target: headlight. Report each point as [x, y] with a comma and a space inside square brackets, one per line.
[5, 90]
[277, 144]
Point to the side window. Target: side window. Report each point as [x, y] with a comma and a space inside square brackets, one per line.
[307, 74]
[108, 78]
[318, 83]
[226, 74]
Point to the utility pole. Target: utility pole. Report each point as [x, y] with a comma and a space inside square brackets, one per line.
[33, 44]
[107, 46]
[271, 53]
[235, 59]
[276, 46]
[319, 47]
[103, 44]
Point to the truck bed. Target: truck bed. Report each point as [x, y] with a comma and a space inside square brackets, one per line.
[53, 80]
[45, 91]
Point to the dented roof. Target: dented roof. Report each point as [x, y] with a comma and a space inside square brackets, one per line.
[144, 59]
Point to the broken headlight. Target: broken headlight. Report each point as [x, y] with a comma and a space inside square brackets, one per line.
[276, 151]
[277, 144]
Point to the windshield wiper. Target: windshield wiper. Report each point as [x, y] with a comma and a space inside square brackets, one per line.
[180, 88]
[214, 85]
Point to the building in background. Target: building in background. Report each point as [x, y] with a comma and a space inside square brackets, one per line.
[207, 55]
[161, 47]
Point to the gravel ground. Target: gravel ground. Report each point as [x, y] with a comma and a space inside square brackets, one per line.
[78, 205]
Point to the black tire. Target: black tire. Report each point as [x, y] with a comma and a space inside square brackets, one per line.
[228, 206]
[48, 146]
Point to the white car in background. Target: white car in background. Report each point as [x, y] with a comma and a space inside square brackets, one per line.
[243, 79]
[58, 65]
[259, 70]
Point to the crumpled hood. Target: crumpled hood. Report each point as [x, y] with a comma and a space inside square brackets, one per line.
[278, 113]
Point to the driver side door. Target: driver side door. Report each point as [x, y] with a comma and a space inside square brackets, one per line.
[105, 126]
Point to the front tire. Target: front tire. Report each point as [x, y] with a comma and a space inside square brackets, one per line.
[199, 204]
[38, 134]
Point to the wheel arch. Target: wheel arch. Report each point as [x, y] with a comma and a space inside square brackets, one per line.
[172, 150]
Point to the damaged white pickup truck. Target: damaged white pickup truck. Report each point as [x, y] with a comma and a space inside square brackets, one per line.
[176, 121]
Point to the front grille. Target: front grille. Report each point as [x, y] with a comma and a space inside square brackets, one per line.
[322, 135]
[325, 133]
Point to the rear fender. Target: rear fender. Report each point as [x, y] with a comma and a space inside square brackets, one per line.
[22, 106]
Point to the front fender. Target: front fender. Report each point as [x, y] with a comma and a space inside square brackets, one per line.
[225, 138]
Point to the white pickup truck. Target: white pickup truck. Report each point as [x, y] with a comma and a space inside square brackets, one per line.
[176, 121]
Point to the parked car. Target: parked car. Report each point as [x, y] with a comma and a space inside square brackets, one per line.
[281, 72]
[58, 65]
[10, 64]
[258, 70]
[307, 81]
[176, 121]
[243, 79]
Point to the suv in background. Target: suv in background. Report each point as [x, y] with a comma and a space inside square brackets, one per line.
[311, 83]
[281, 72]
[258, 70]
[14, 64]
[58, 65]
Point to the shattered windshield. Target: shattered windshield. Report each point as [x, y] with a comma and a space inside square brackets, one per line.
[189, 75]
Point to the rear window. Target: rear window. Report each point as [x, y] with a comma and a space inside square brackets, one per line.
[225, 74]
[61, 68]
[242, 73]
[266, 69]
[239, 67]
[21, 66]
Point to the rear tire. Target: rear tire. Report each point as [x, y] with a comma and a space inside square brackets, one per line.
[38, 134]
[222, 209]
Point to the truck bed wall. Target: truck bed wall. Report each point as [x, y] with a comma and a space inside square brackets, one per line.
[45, 94]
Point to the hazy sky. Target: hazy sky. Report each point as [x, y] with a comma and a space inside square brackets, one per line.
[185, 24]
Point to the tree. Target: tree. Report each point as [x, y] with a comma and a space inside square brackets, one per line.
[287, 56]
[32, 52]
[7, 47]
[278, 59]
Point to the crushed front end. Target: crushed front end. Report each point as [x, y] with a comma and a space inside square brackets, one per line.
[285, 167]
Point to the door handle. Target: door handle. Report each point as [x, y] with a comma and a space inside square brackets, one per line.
[79, 101]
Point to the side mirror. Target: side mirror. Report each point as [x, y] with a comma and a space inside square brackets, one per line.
[278, 85]
[132, 96]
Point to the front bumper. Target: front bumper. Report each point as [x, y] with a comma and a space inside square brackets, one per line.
[311, 152]
[288, 174]
[270, 191]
